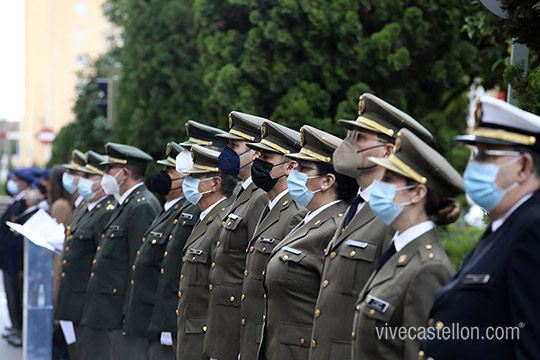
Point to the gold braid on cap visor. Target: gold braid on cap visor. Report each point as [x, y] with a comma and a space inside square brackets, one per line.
[504, 135]
[241, 134]
[314, 155]
[375, 125]
[200, 142]
[406, 169]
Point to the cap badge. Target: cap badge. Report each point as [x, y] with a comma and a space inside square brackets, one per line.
[478, 113]
[361, 106]
[230, 122]
[168, 152]
[263, 130]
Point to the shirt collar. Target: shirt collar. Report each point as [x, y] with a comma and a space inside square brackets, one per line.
[78, 201]
[19, 196]
[169, 204]
[310, 215]
[93, 204]
[246, 183]
[273, 203]
[414, 232]
[128, 192]
[205, 212]
[496, 224]
[365, 193]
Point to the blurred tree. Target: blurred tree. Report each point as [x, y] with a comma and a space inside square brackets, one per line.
[90, 130]
[523, 24]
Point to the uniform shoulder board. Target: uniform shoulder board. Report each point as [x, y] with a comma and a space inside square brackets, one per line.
[429, 252]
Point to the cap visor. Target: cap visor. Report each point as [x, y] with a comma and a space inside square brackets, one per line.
[353, 124]
[299, 156]
[387, 164]
[231, 137]
[473, 140]
[196, 171]
[166, 163]
[187, 144]
[88, 171]
[262, 147]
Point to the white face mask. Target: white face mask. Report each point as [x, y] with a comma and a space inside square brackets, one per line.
[184, 161]
[109, 184]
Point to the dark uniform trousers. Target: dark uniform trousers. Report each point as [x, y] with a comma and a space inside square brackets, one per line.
[271, 229]
[79, 251]
[495, 288]
[399, 295]
[194, 288]
[350, 259]
[122, 237]
[292, 280]
[164, 317]
[12, 281]
[222, 340]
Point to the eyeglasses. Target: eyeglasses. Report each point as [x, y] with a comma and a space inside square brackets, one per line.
[299, 167]
[354, 135]
[485, 155]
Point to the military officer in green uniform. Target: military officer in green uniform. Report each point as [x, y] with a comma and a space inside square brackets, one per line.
[361, 237]
[415, 194]
[147, 268]
[294, 269]
[122, 237]
[269, 172]
[210, 189]
[203, 135]
[70, 181]
[81, 244]
[226, 277]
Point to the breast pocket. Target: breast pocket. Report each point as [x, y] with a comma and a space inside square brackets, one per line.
[235, 238]
[262, 248]
[157, 242]
[186, 222]
[294, 272]
[357, 261]
[83, 245]
[195, 267]
[372, 316]
[110, 246]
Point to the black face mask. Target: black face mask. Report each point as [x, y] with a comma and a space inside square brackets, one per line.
[162, 182]
[260, 174]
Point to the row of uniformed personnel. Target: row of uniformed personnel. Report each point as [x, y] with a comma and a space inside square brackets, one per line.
[324, 242]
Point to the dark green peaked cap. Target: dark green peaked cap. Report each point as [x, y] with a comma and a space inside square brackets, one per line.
[317, 145]
[204, 135]
[415, 159]
[377, 115]
[93, 163]
[78, 160]
[244, 127]
[121, 154]
[277, 138]
[205, 160]
[172, 151]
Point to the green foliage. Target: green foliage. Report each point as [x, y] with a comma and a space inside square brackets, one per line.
[459, 240]
[523, 21]
[90, 130]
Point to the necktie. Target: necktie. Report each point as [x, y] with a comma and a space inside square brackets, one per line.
[387, 255]
[265, 212]
[240, 192]
[352, 210]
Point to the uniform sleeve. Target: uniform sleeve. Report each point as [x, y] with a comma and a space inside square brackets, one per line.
[524, 293]
[418, 300]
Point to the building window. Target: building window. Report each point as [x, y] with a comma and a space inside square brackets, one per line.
[81, 8]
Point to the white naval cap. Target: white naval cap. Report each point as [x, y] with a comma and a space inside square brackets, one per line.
[498, 122]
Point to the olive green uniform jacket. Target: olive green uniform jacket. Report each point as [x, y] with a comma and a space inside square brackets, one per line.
[104, 305]
[164, 314]
[194, 289]
[400, 294]
[283, 217]
[350, 259]
[147, 270]
[292, 281]
[81, 243]
[222, 340]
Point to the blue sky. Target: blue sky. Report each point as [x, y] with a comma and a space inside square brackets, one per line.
[12, 59]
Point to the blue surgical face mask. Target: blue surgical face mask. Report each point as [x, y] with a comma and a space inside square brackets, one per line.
[12, 187]
[229, 161]
[381, 201]
[479, 179]
[191, 189]
[85, 188]
[297, 184]
[67, 181]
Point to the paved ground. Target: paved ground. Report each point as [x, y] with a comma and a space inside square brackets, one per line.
[7, 352]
